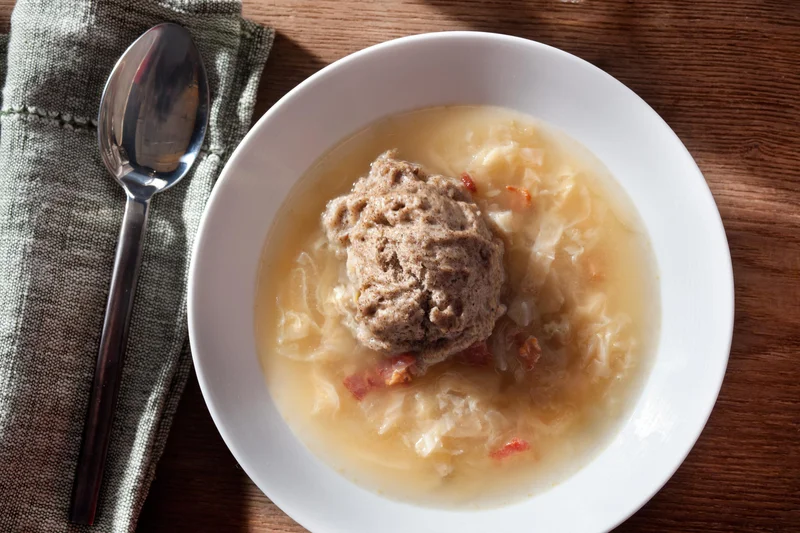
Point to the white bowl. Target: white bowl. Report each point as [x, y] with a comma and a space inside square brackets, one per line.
[639, 149]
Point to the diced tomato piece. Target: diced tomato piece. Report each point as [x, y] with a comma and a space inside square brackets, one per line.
[476, 355]
[390, 371]
[529, 353]
[466, 179]
[523, 200]
[360, 384]
[513, 446]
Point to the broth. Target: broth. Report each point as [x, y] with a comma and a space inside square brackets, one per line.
[581, 278]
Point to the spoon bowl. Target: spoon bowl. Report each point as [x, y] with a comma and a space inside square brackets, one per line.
[154, 111]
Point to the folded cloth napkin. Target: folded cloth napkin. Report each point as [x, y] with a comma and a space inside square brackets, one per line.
[60, 213]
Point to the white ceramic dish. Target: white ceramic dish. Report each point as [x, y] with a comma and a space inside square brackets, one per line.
[639, 149]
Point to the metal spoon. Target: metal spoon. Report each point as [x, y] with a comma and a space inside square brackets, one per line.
[152, 121]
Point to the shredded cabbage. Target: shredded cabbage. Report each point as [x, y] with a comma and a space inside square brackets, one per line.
[503, 221]
[457, 412]
[326, 399]
[543, 252]
[294, 326]
[532, 156]
[309, 323]
[520, 311]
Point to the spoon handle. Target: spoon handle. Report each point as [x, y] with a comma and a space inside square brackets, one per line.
[107, 374]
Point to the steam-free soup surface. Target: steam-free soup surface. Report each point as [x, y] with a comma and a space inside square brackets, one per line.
[580, 279]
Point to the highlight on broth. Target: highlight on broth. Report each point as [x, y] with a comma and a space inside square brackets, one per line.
[505, 417]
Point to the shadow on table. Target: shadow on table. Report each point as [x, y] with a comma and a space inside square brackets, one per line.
[198, 486]
[619, 37]
[287, 66]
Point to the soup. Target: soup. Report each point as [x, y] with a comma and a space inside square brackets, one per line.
[507, 417]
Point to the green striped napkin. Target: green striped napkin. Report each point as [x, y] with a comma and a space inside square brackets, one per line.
[60, 213]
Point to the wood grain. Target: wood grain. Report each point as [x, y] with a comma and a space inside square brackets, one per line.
[6, 6]
[725, 75]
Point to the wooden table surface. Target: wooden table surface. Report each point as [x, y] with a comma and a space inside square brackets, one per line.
[725, 74]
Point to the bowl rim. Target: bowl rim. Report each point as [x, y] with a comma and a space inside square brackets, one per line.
[685, 445]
